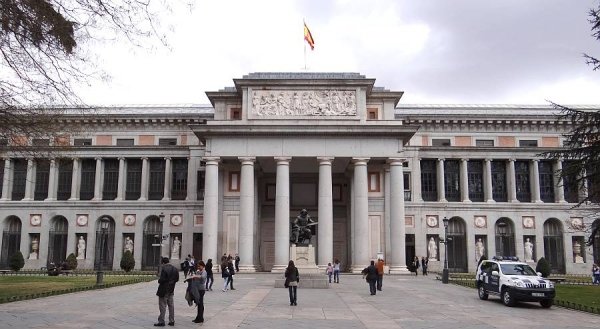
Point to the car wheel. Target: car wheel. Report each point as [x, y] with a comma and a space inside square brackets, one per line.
[483, 295]
[507, 298]
[546, 303]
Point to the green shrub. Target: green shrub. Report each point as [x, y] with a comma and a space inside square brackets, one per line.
[127, 262]
[71, 262]
[17, 261]
[543, 267]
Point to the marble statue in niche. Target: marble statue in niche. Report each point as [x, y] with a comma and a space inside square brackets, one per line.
[81, 248]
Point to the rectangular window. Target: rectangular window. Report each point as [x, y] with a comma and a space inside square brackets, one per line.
[475, 176]
[156, 188]
[110, 186]
[499, 181]
[234, 181]
[125, 142]
[179, 181]
[593, 184]
[40, 142]
[484, 142]
[65, 176]
[522, 181]
[1, 175]
[528, 143]
[42, 177]
[200, 185]
[82, 142]
[167, 141]
[440, 142]
[546, 181]
[88, 179]
[133, 187]
[429, 180]
[372, 114]
[407, 191]
[374, 185]
[570, 182]
[19, 179]
[452, 180]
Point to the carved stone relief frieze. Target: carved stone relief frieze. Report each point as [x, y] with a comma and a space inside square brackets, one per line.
[285, 103]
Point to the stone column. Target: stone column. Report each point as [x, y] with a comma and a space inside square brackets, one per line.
[168, 179]
[6, 180]
[192, 179]
[52, 180]
[30, 180]
[75, 179]
[145, 179]
[487, 181]
[282, 214]
[512, 181]
[361, 215]
[535, 181]
[247, 218]
[325, 213]
[122, 173]
[559, 190]
[441, 187]
[98, 181]
[210, 235]
[416, 180]
[464, 180]
[397, 224]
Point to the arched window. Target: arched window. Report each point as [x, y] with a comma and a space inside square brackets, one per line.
[105, 243]
[505, 237]
[11, 240]
[457, 245]
[57, 240]
[553, 245]
[152, 243]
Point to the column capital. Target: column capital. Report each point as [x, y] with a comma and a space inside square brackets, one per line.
[167, 158]
[144, 158]
[325, 160]
[395, 161]
[441, 159]
[512, 159]
[487, 160]
[75, 158]
[535, 160]
[211, 160]
[464, 159]
[283, 160]
[6, 159]
[98, 158]
[360, 161]
[121, 158]
[247, 160]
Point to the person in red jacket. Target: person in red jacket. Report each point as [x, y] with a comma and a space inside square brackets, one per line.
[380, 264]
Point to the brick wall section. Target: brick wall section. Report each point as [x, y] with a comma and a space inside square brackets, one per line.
[550, 142]
[506, 141]
[146, 140]
[462, 141]
[104, 140]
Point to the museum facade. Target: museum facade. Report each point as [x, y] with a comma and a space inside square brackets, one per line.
[379, 177]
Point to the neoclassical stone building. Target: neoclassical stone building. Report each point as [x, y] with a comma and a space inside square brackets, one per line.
[378, 176]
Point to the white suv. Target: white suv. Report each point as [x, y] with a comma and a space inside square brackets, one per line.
[513, 281]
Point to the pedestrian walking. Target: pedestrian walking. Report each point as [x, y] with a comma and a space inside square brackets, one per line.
[185, 266]
[225, 275]
[197, 289]
[380, 265]
[237, 262]
[292, 277]
[415, 265]
[192, 264]
[169, 275]
[210, 279]
[231, 272]
[370, 274]
[336, 271]
[424, 264]
[329, 271]
[596, 274]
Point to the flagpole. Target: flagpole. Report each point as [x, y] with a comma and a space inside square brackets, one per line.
[304, 43]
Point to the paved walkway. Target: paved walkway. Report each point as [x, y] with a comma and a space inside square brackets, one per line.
[406, 302]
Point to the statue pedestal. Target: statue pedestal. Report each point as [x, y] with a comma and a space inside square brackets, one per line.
[304, 259]
[579, 260]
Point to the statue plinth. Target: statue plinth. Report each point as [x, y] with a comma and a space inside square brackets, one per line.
[304, 258]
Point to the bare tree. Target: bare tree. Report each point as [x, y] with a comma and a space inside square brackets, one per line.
[581, 149]
[45, 52]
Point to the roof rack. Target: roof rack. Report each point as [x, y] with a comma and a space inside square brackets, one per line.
[508, 258]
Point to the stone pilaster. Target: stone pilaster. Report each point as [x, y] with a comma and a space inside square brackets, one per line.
[397, 224]
[247, 218]
[361, 215]
[325, 213]
[282, 214]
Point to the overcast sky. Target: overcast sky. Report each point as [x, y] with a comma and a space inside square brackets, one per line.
[436, 51]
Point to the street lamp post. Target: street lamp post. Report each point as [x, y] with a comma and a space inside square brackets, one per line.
[161, 217]
[502, 228]
[104, 224]
[445, 271]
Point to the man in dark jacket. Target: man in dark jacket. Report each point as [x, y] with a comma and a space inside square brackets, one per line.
[231, 272]
[370, 274]
[169, 275]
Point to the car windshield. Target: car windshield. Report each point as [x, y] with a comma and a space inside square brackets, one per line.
[517, 269]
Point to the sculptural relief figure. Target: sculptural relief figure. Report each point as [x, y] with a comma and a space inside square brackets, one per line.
[528, 250]
[301, 232]
[175, 248]
[34, 249]
[128, 245]
[81, 248]
[432, 249]
[577, 252]
[479, 250]
[303, 102]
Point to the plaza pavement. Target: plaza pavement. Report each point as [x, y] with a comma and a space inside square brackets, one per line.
[406, 302]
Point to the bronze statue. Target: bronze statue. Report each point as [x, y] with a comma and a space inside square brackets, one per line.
[300, 228]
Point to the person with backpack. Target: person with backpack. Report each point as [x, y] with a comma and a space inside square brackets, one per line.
[225, 275]
[292, 277]
[370, 274]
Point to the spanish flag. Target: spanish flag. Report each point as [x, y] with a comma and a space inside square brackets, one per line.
[308, 37]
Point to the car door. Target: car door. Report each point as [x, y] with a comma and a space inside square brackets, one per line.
[493, 280]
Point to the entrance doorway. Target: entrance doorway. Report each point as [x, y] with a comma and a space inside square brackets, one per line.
[152, 243]
[197, 247]
[410, 249]
[57, 240]
[457, 245]
[105, 243]
[11, 240]
[553, 245]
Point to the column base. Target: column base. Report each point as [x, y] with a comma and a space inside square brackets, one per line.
[562, 201]
[538, 201]
[491, 201]
[47, 199]
[514, 201]
[27, 199]
[467, 201]
[166, 199]
[399, 270]
[73, 199]
[248, 268]
[142, 199]
[357, 269]
[278, 268]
